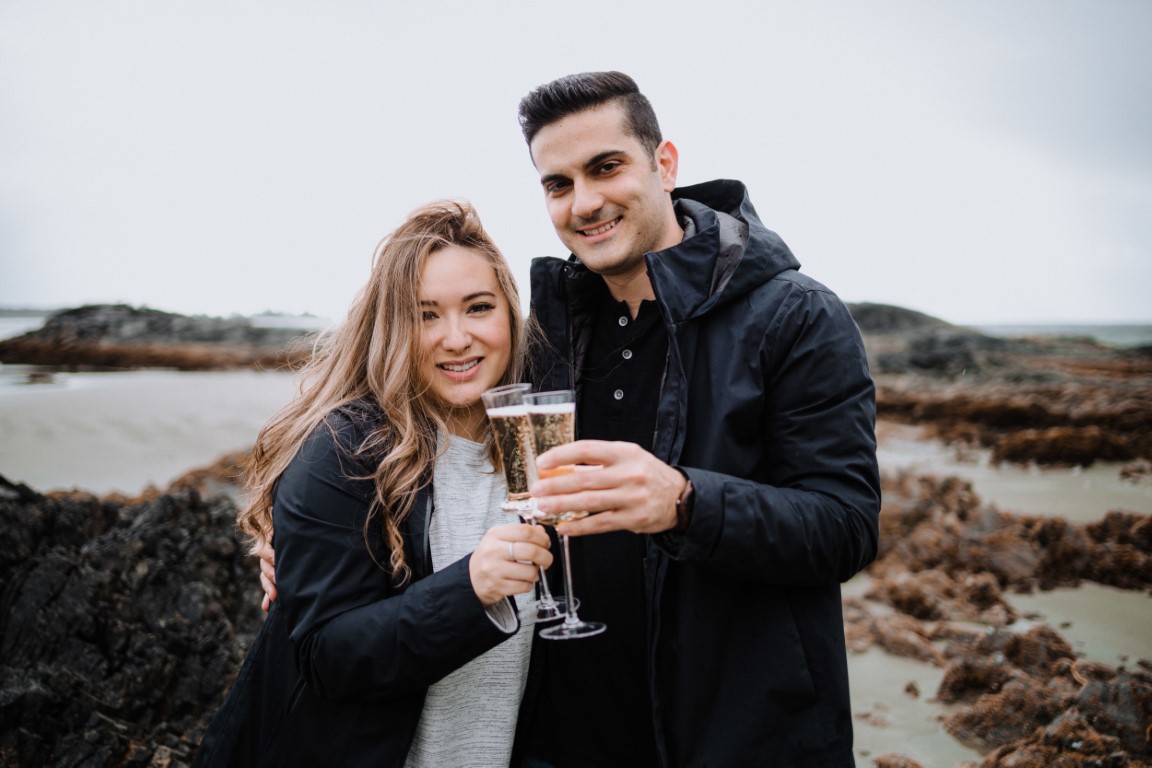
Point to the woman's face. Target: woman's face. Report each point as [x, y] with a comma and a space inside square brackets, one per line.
[466, 337]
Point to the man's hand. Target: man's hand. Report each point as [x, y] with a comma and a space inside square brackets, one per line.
[630, 490]
[263, 550]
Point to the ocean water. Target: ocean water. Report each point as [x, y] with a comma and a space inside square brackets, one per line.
[1119, 335]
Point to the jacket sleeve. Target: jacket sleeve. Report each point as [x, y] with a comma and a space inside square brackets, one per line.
[809, 514]
[354, 634]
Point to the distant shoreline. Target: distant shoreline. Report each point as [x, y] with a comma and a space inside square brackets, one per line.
[15, 321]
[1113, 334]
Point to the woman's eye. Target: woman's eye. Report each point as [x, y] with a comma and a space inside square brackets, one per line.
[482, 307]
[429, 316]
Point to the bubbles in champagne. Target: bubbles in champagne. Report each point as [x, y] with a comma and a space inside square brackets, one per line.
[513, 440]
[553, 425]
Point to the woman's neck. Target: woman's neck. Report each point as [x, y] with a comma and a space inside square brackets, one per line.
[470, 423]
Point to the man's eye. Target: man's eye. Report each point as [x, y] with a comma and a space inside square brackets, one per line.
[609, 167]
[556, 188]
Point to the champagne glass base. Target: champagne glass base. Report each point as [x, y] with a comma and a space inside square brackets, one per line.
[571, 631]
[549, 612]
[526, 508]
[558, 609]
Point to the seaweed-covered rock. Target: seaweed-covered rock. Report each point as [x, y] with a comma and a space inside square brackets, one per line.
[122, 624]
[120, 336]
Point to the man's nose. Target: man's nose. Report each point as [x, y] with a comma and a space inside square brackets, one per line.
[586, 200]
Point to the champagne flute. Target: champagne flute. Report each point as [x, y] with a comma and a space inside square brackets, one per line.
[552, 416]
[509, 418]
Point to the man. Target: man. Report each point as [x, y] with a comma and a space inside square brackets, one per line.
[727, 399]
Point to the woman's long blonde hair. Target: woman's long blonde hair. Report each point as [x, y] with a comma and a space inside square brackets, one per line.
[375, 355]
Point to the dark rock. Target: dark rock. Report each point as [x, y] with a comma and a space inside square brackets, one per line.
[1022, 693]
[886, 319]
[122, 624]
[1069, 740]
[120, 323]
[120, 336]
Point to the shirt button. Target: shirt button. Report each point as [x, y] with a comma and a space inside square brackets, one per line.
[626, 354]
[623, 320]
[618, 394]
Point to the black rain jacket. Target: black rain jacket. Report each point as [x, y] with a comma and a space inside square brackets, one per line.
[768, 406]
[338, 672]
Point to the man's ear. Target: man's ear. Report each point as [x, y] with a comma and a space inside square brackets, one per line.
[667, 163]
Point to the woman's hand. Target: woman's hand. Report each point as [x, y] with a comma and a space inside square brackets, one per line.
[506, 561]
[263, 550]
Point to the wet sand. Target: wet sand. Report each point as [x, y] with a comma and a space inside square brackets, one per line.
[121, 432]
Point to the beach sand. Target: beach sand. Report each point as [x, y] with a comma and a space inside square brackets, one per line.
[122, 432]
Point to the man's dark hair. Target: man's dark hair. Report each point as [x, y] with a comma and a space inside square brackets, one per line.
[570, 94]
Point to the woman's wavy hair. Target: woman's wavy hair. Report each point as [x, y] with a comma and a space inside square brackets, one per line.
[375, 355]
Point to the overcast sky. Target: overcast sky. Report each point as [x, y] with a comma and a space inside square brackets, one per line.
[983, 161]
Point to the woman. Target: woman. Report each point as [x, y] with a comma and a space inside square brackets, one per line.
[401, 585]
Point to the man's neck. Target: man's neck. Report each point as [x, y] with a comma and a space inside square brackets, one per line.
[631, 289]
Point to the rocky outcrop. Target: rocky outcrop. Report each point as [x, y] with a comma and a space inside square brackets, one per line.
[937, 595]
[123, 622]
[120, 336]
[1061, 401]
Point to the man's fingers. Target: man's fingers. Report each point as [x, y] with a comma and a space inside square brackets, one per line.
[600, 452]
[598, 523]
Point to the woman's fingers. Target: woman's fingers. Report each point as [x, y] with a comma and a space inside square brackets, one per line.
[507, 561]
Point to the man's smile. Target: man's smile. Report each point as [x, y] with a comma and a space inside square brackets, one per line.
[599, 230]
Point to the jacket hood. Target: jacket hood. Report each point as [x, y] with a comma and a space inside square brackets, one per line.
[725, 234]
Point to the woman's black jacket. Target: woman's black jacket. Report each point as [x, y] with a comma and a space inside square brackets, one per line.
[338, 672]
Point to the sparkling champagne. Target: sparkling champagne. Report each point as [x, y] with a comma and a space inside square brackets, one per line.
[513, 434]
[554, 424]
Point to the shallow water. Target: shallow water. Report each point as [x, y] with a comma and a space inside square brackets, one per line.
[1102, 623]
[885, 718]
[1078, 494]
[121, 432]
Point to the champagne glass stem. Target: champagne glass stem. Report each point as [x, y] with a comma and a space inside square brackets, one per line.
[570, 617]
[546, 593]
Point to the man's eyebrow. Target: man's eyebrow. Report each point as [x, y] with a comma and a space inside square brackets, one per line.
[600, 157]
[552, 178]
[588, 165]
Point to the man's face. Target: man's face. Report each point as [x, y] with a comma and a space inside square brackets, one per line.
[607, 197]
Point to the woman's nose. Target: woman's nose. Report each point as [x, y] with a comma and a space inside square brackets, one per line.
[458, 336]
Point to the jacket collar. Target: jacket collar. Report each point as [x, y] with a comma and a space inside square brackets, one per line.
[730, 253]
